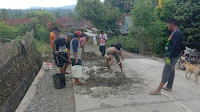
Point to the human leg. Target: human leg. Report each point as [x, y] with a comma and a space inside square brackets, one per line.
[107, 63]
[172, 75]
[101, 50]
[165, 76]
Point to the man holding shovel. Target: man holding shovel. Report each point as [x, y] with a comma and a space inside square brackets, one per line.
[61, 47]
[116, 51]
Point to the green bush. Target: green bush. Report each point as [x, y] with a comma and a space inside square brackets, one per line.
[72, 30]
[128, 43]
[7, 32]
[42, 34]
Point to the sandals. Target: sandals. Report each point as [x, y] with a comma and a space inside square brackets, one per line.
[78, 83]
[154, 93]
[165, 88]
[67, 72]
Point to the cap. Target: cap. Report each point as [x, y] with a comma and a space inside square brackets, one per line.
[71, 35]
[77, 32]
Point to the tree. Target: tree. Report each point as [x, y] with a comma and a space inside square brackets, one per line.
[7, 32]
[167, 11]
[147, 30]
[41, 17]
[4, 14]
[188, 15]
[101, 16]
[123, 5]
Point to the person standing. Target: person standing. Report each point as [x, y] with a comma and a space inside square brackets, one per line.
[53, 35]
[75, 53]
[172, 52]
[84, 38]
[102, 42]
[61, 47]
[58, 34]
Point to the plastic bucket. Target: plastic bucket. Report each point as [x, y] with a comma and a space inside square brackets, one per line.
[77, 71]
[59, 81]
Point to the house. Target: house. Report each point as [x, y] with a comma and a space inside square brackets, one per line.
[125, 28]
[68, 23]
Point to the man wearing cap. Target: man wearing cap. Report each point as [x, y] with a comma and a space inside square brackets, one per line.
[53, 35]
[102, 42]
[116, 51]
[75, 53]
[61, 47]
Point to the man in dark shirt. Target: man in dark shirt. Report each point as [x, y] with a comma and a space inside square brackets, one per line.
[61, 47]
[172, 52]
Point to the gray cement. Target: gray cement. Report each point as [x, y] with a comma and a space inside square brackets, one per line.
[43, 97]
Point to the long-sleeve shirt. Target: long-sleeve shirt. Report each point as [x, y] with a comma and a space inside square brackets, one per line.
[173, 46]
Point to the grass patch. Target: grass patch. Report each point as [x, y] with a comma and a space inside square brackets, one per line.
[41, 46]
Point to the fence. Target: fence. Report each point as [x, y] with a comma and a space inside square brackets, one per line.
[11, 49]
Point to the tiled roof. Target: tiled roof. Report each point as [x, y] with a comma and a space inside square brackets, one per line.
[12, 22]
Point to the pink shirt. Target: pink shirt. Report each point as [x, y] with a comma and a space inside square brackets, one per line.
[82, 40]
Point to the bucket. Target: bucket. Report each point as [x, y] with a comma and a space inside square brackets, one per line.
[77, 71]
[59, 81]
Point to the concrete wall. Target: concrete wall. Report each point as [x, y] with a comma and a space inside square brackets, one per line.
[16, 77]
[11, 49]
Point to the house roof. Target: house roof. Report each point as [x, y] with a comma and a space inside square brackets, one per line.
[12, 22]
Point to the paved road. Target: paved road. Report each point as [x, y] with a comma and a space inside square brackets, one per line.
[145, 75]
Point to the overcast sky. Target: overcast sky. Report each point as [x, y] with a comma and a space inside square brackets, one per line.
[23, 4]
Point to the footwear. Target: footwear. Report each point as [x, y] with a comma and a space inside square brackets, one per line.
[78, 83]
[154, 93]
[66, 79]
[165, 88]
[67, 72]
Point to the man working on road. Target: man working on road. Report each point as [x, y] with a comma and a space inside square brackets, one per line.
[75, 53]
[102, 42]
[61, 48]
[116, 51]
[53, 35]
[84, 38]
[172, 52]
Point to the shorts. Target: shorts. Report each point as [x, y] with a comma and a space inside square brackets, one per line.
[60, 61]
[117, 57]
[74, 62]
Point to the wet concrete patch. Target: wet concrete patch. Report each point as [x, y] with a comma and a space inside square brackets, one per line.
[100, 83]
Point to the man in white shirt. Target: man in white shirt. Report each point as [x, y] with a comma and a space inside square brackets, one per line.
[102, 42]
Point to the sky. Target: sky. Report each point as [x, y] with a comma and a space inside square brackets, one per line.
[23, 4]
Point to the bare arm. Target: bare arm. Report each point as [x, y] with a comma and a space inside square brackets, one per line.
[68, 54]
[82, 44]
[75, 54]
[54, 47]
